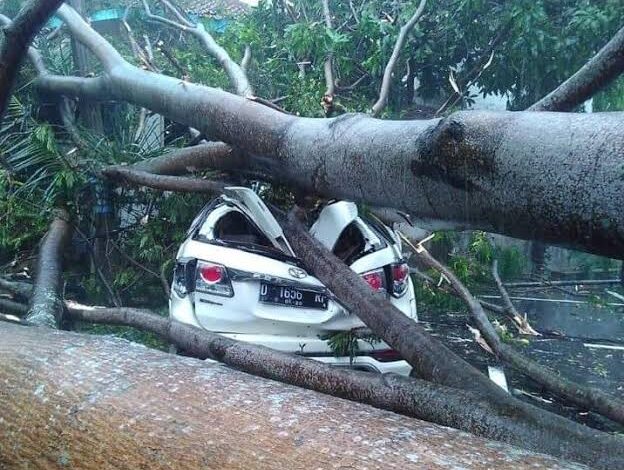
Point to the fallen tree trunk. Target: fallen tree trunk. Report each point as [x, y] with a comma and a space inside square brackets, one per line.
[502, 172]
[94, 402]
[46, 303]
[586, 397]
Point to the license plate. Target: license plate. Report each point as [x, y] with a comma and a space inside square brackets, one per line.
[292, 296]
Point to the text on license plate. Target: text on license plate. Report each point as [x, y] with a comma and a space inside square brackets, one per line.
[292, 296]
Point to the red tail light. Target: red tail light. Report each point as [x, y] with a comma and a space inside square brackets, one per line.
[212, 273]
[376, 279]
[400, 278]
[213, 278]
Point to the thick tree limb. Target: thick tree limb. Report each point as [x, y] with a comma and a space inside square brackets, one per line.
[46, 303]
[12, 307]
[586, 397]
[212, 155]
[163, 182]
[99, 402]
[235, 72]
[406, 29]
[510, 173]
[430, 359]
[21, 289]
[598, 72]
[17, 38]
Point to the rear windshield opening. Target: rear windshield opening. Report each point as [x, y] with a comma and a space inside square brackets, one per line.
[350, 243]
[234, 227]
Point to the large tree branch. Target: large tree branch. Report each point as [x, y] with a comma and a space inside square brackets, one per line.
[406, 29]
[583, 396]
[166, 183]
[46, 304]
[598, 72]
[109, 403]
[235, 72]
[548, 176]
[18, 35]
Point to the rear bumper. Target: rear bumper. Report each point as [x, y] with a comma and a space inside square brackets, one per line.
[319, 350]
[368, 364]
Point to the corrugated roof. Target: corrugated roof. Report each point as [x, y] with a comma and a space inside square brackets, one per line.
[213, 7]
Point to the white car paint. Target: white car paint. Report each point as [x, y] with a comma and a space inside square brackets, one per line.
[289, 328]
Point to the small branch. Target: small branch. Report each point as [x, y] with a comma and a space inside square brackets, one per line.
[520, 322]
[388, 72]
[235, 72]
[112, 295]
[246, 58]
[597, 73]
[481, 64]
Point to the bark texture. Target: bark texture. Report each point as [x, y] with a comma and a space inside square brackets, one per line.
[46, 303]
[548, 176]
[586, 397]
[17, 38]
[93, 402]
[594, 75]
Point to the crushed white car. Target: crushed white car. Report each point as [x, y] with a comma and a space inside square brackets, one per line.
[237, 275]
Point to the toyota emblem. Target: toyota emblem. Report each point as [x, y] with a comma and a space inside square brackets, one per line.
[297, 273]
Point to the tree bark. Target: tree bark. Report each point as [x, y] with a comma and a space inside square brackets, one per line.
[100, 402]
[586, 397]
[17, 38]
[553, 177]
[46, 303]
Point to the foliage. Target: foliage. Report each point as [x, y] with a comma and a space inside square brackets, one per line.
[346, 343]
